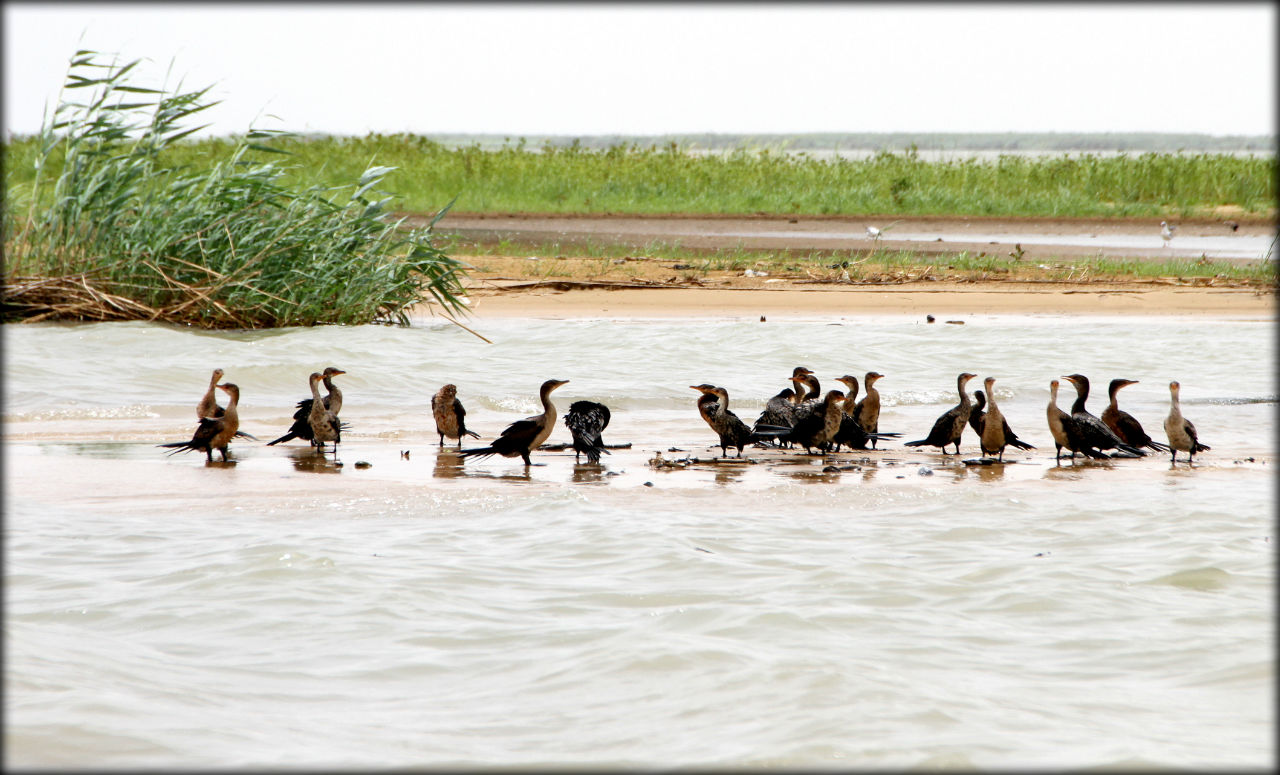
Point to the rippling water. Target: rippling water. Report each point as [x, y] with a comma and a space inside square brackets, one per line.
[906, 611]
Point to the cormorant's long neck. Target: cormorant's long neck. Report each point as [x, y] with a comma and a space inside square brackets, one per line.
[964, 397]
[851, 399]
[548, 408]
[1082, 393]
[335, 395]
[816, 387]
[315, 392]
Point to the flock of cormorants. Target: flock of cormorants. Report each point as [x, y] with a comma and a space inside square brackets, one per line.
[799, 415]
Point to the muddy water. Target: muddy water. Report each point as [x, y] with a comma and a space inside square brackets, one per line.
[889, 608]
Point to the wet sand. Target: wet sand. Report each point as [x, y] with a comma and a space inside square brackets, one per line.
[942, 300]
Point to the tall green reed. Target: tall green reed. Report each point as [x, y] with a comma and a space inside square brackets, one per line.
[232, 242]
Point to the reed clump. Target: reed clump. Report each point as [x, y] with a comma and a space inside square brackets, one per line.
[113, 224]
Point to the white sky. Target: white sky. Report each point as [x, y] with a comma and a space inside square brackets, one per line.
[667, 68]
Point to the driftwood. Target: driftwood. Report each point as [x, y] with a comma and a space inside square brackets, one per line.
[563, 447]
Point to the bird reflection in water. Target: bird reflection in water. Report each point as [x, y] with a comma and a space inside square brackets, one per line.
[588, 473]
[306, 459]
[448, 465]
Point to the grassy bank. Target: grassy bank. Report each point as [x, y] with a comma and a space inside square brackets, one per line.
[118, 221]
[671, 179]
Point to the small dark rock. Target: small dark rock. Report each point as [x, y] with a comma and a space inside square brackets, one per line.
[648, 484]
[956, 322]
[363, 464]
[925, 471]
[928, 318]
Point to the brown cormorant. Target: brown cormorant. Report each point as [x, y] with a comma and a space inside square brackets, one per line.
[819, 427]
[978, 416]
[1125, 425]
[523, 436]
[208, 406]
[733, 432]
[322, 421]
[301, 428]
[214, 432]
[1181, 433]
[950, 426]
[991, 440]
[707, 400]
[867, 410]
[449, 415]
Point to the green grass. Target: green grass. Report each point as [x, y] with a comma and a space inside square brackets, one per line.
[228, 238]
[670, 179]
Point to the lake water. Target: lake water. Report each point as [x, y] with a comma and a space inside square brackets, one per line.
[903, 611]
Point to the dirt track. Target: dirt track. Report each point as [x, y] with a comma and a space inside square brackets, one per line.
[1039, 238]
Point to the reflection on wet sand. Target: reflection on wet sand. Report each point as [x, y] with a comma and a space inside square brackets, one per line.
[588, 473]
[312, 461]
[448, 465]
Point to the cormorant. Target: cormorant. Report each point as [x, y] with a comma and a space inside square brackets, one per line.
[523, 436]
[214, 432]
[707, 399]
[851, 433]
[867, 410]
[732, 431]
[322, 421]
[586, 420]
[208, 406]
[301, 428]
[1095, 432]
[778, 411]
[1181, 433]
[819, 427]
[978, 416]
[449, 415]
[991, 440]
[796, 374]
[1066, 431]
[950, 426]
[1125, 425]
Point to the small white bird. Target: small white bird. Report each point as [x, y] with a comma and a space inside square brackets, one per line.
[875, 232]
[1166, 232]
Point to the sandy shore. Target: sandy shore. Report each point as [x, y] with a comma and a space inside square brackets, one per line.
[942, 300]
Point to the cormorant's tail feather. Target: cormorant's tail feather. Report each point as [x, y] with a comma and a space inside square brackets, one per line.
[1157, 446]
[477, 452]
[472, 434]
[1201, 447]
[918, 443]
[286, 437]
[879, 435]
[1020, 444]
[250, 436]
[770, 430]
[1131, 450]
